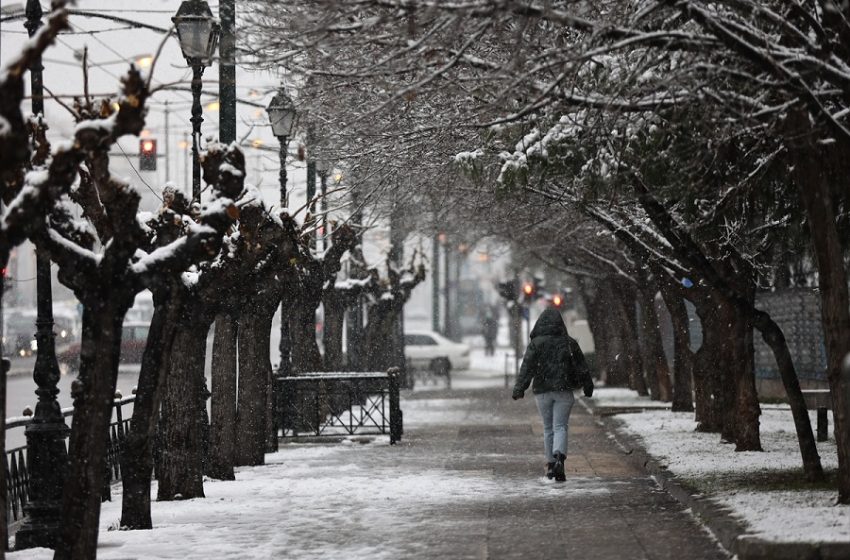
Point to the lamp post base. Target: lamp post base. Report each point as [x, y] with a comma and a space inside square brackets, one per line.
[48, 458]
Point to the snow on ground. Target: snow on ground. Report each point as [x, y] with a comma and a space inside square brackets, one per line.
[763, 489]
[318, 501]
[484, 372]
[614, 397]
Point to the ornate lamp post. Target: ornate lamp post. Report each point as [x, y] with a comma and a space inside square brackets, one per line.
[198, 32]
[281, 111]
[47, 457]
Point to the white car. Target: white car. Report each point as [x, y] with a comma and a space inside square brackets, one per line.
[428, 350]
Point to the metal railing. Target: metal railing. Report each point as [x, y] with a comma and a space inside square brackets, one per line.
[339, 404]
[17, 460]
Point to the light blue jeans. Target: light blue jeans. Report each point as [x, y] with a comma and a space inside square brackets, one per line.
[555, 408]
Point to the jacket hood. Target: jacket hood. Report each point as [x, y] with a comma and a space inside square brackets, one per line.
[549, 323]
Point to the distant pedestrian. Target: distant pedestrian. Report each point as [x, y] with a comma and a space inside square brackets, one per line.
[556, 365]
[491, 331]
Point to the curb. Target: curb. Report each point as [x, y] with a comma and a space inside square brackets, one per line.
[730, 533]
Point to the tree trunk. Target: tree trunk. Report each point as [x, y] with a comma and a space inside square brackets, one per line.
[710, 367]
[746, 405]
[629, 358]
[655, 362]
[93, 394]
[223, 403]
[181, 465]
[302, 327]
[688, 250]
[255, 371]
[598, 320]
[682, 355]
[137, 451]
[814, 187]
[4, 370]
[332, 334]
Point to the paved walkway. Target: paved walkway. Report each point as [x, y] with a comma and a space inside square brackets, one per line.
[466, 482]
[607, 509]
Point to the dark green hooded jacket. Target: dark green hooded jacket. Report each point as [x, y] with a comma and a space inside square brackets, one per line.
[553, 360]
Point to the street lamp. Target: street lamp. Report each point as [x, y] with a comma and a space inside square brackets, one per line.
[197, 31]
[47, 458]
[281, 111]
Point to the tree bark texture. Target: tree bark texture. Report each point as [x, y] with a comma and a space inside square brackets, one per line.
[93, 392]
[746, 406]
[334, 307]
[137, 453]
[654, 360]
[682, 354]
[222, 456]
[687, 249]
[629, 358]
[712, 367]
[814, 185]
[598, 320]
[255, 372]
[302, 328]
[181, 466]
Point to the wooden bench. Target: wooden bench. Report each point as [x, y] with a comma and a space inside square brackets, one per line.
[820, 400]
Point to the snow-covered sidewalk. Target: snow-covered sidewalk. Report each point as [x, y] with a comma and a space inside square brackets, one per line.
[765, 490]
[465, 482]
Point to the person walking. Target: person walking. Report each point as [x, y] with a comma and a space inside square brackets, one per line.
[555, 364]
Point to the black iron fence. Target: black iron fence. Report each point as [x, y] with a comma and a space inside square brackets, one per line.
[17, 460]
[339, 404]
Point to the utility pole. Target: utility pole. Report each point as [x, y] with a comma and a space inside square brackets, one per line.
[227, 72]
[167, 145]
[435, 283]
[448, 328]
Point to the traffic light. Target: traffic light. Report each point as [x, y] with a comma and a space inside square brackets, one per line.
[531, 290]
[558, 301]
[147, 154]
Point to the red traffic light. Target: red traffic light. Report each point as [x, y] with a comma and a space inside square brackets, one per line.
[147, 154]
[557, 300]
[528, 288]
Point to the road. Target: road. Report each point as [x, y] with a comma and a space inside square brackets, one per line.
[20, 387]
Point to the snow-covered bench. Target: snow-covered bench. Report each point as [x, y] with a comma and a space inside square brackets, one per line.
[820, 400]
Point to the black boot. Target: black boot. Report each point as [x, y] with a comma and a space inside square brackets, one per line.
[550, 470]
[558, 469]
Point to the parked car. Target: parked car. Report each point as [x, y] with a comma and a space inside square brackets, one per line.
[134, 337]
[19, 334]
[429, 350]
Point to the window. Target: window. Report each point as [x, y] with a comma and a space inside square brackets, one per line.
[419, 340]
